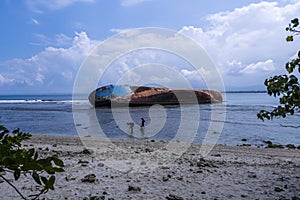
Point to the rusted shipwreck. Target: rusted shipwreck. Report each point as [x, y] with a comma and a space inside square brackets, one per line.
[126, 95]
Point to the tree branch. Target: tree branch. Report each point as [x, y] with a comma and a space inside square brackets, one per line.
[36, 196]
[12, 186]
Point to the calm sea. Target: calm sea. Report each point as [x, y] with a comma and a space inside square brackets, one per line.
[52, 115]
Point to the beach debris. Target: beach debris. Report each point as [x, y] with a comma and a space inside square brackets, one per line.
[143, 163]
[173, 197]
[216, 155]
[91, 178]
[278, 189]
[291, 146]
[83, 163]
[246, 145]
[271, 145]
[101, 165]
[295, 198]
[202, 163]
[70, 178]
[54, 145]
[166, 178]
[87, 151]
[252, 175]
[94, 198]
[165, 167]
[133, 188]
[268, 142]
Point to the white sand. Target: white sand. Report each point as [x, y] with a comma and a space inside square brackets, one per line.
[226, 173]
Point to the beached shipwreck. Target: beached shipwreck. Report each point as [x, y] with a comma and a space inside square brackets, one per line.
[126, 95]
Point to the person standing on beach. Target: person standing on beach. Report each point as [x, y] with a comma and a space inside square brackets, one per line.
[143, 122]
[142, 127]
[131, 125]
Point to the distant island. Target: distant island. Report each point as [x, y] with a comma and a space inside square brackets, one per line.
[246, 91]
[122, 95]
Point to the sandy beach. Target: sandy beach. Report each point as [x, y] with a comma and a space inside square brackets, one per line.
[227, 172]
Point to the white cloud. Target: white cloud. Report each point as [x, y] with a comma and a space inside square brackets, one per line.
[266, 66]
[132, 2]
[247, 44]
[34, 21]
[195, 74]
[248, 40]
[55, 67]
[4, 80]
[39, 5]
[40, 78]
[58, 40]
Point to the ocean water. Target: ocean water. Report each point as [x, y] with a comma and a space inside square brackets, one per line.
[53, 115]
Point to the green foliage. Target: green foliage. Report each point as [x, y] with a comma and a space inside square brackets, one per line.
[17, 160]
[293, 29]
[286, 86]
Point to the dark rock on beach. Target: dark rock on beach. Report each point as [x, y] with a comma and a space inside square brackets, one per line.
[134, 188]
[173, 197]
[87, 151]
[91, 178]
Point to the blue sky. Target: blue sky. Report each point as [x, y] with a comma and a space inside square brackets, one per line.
[43, 43]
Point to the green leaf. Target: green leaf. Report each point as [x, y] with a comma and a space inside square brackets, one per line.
[58, 169]
[289, 38]
[17, 174]
[36, 155]
[51, 182]
[295, 22]
[36, 177]
[58, 161]
[289, 70]
[2, 128]
[49, 169]
[30, 152]
[45, 180]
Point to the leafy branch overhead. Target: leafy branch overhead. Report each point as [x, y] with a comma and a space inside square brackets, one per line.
[293, 29]
[287, 86]
[17, 160]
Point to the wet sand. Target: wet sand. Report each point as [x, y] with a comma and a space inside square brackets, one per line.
[140, 169]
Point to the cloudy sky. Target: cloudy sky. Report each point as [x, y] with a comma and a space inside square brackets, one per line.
[44, 43]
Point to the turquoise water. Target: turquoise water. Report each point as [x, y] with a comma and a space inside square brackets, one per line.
[52, 115]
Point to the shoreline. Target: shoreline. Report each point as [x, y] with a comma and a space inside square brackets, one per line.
[243, 142]
[227, 172]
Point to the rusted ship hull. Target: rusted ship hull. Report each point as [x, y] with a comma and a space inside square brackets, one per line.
[125, 95]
